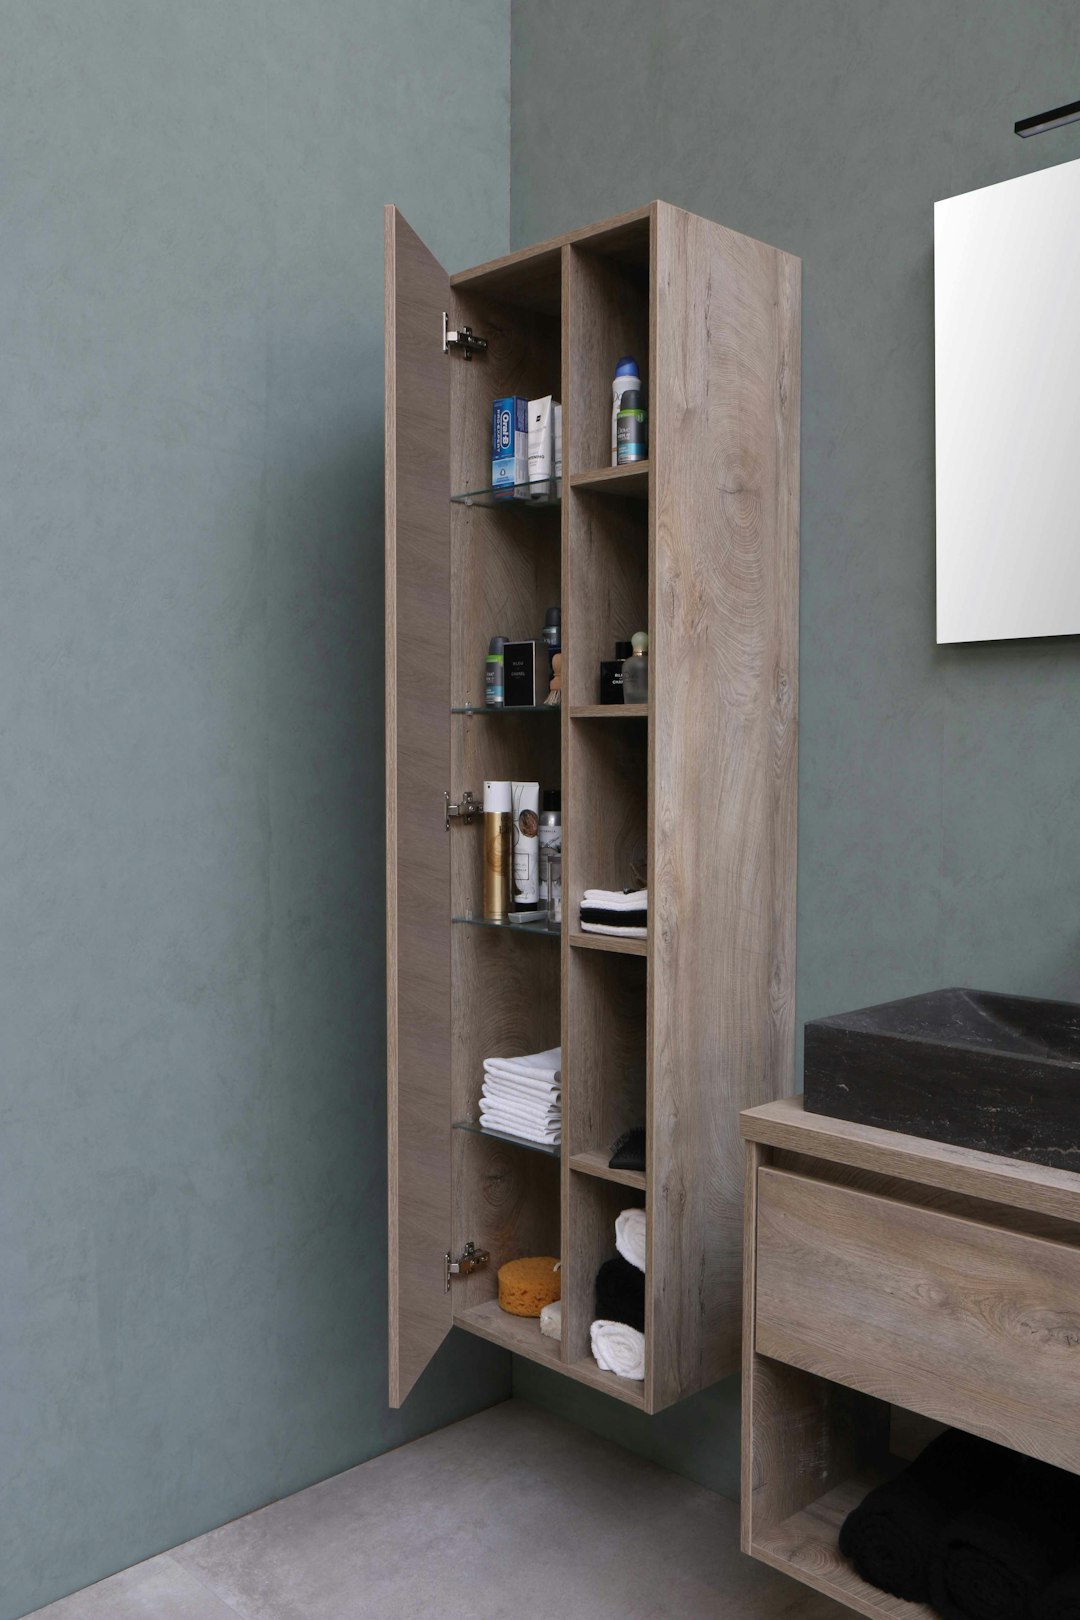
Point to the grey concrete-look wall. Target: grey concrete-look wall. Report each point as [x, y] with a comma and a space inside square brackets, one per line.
[192, 1125]
[938, 838]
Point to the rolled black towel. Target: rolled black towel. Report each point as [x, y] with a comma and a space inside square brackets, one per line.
[1061, 1599]
[620, 1293]
[995, 1557]
[890, 1537]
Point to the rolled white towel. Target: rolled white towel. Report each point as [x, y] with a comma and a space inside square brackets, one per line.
[551, 1320]
[618, 1349]
[630, 1236]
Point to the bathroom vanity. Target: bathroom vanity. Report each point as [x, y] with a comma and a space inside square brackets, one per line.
[676, 1032]
[891, 1279]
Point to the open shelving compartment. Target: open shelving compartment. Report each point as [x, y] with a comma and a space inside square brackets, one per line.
[659, 1032]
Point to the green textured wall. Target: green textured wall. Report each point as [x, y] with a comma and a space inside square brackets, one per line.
[938, 788]
[192, 1124]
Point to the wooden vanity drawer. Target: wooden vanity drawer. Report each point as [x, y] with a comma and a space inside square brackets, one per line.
[966, 1323]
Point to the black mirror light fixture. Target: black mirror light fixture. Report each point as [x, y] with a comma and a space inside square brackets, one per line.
[1048, 120]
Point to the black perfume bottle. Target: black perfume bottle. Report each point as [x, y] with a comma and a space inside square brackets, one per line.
[611, 674]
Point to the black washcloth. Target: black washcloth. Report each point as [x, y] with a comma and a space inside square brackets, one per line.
[1061, 1599]
[891, 1535]
[995, 1557]
[629, 1151]
[620, 1293]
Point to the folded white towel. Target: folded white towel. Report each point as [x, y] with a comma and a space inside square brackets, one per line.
[616, 900]
[533, 1122]
[524, 1133]
[514, 1085]
[618, 1349]
[620, 933]
[630, 1236]
[551, 1320]
[533, 1066]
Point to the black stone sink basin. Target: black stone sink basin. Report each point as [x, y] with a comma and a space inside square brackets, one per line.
[970, 1067]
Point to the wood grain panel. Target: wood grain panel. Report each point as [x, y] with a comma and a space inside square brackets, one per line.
[417, 765]
[607, 1094]
[786, 1124]
[608, 591]
[724, 489]
[967, 1324]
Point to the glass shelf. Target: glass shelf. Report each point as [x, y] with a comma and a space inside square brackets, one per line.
[541, 492]
[540, 926]
[550, 1148]
[513, 708]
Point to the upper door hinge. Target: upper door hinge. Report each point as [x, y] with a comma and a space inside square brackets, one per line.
[463, 339]
[466, 807]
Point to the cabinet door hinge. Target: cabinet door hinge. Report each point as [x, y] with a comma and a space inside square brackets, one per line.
[471, 1259]
[464, 339]
[466, 807]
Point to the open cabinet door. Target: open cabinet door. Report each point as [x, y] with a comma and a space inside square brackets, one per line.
[417, 772]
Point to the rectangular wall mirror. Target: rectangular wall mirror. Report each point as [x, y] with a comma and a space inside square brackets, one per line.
[1007, 345]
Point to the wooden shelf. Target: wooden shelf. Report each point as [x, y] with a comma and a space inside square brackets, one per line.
[631, 480]
[521, 1334]
[805, 1547]
[610, 711]
[615, 943]
[596, 1164]
[630, 1390]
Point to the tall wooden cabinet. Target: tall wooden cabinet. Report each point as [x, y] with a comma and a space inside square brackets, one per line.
[699, 546]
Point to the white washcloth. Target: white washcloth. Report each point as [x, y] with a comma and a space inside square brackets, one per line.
[511, 1087]
[551, 1320]
[630, 1236]
[620, 933]
[618, 1349]
[533, 1066]
[616, 900]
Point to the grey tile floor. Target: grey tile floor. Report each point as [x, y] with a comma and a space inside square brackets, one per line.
[509, 1515]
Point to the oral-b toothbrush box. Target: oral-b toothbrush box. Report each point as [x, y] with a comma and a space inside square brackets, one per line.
[509, 442]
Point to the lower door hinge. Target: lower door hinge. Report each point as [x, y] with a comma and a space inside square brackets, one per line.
[466, 807]
[471, 1259]
[464, 339]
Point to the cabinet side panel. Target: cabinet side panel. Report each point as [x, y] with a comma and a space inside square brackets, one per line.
[723, 757]
[417, 771]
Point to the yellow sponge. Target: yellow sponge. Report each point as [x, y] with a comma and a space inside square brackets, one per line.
[526, 1286]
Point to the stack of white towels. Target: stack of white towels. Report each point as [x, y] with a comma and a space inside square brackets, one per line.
[623, 913]
[616, 1346]
[522, 1096]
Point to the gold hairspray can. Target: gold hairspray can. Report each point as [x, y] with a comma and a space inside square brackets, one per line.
[498, 850]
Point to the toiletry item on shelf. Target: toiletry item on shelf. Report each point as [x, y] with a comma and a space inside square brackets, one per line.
[628, 1152]
[526, 1286]
[891, 1535]
[625, 914]
[554, 696]
[630, 1236]
[523, 1096]
[611, 673]
[557, 408]
[525, 872]
[635, 675]
[551, 1320]
[626, 378]
[541, 446]
[509, 443]
[550, 836]
[554, 910]
[618, 1349]
[633, 428]
[494, 686]
[498, 850]
[526, 674]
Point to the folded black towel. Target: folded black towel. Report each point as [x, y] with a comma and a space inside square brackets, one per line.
[620, 1293]
[1061, 1599]
[995, 1557]
[629, 1151]
[890, 1537]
